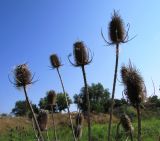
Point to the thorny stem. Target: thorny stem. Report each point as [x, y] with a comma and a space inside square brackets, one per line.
[34, 117]
[113, 91]
[88, 103]
[67, 105]
[139, 122]
[55, 133]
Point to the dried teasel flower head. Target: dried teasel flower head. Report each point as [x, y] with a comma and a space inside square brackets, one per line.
[117, 32]
[81, 54]
[116, 29]
[42, 120]
[22, 75]
[126, 123]
[51, 97]
[79, 119]
[134, 85]
[55, 61]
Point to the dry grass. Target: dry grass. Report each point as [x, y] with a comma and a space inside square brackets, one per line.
[60, 119]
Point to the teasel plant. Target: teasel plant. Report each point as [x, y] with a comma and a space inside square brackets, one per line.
[51, 99]
[42, 121]
[56, 64]
[126, 123]
[79, 123]
[83, 57]
[117, 36]
[23, 78]
[135, 90]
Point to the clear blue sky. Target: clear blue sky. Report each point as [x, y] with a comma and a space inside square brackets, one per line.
[31, 30]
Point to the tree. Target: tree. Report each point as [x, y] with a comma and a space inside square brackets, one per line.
[99, 98]
[61, 103]
[21, 108]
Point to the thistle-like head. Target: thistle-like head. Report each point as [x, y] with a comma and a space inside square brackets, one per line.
[51, 97]
[134, 85]
[55, 61]
[22, 76]
[42, 120]
[81, 54]
[126, 123]
[117, 33]
[116, 29]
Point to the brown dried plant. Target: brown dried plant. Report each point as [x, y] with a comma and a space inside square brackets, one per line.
[134, 90]
[56, 63]
[127, 126]
[22, 78]
[51, 98]
[117, 35]
[82, 57]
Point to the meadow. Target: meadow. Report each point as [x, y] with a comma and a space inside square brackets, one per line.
[20, 129]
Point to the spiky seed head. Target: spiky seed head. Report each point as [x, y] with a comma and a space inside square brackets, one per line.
[116, 29]
[126, 123]
[22, 75]
[124, 74]
[78, 131]
[134, 84]
[51, 97]
[42, 120]
[79, 119]
[81, 56]
[55, 62]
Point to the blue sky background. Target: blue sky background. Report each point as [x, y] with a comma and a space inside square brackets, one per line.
[32, 30]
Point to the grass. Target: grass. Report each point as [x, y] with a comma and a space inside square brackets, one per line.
[22, 131]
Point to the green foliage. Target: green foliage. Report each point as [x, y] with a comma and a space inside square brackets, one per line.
[21, 108]
[60, 102]
[150, 132]
[99, 98]
[154, 100]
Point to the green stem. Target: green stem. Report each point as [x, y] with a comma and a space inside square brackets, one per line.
[55, 133]
[113, 91]
[88, 103]
[72, 128]
[34, 117]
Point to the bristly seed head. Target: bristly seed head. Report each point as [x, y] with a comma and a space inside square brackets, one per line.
[134, 84]
[55, 62]
[116, 29]
[42, 120]
[126, 123]
[22, 76]
[51, 97]
[80, 54]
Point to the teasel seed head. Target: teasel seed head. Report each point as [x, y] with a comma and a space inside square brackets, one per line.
[81, 54]
[134, 85]
[51, 97]
[116, 29]
[55, 62]
[126, 123]
[42, 120]
[79, 119]
[22, 76]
